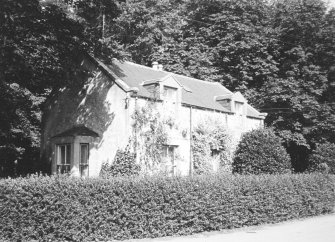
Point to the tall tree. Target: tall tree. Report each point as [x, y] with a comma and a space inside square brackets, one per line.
[38, 46]
[151, 31]
[238, 43]
[298, 96]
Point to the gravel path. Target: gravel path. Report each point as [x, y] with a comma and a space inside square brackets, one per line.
[321, 228]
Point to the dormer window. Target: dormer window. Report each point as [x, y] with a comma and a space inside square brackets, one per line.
[153, 89]
[170, 94]
[239, 108]
[233, 102]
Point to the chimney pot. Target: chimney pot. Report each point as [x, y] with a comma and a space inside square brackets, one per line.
[155, 65]
[160, 67]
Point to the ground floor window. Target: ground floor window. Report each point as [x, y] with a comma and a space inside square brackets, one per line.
[63, 153]
[83, 163]
[168, 151]
[168, 155]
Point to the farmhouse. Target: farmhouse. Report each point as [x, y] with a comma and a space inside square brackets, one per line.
[85, 125]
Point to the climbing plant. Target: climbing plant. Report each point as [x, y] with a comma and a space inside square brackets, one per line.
[211, 143]
[149, 135]
[124, 164]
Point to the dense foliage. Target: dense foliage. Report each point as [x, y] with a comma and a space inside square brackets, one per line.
[211, 147]
[124, 164]
[149, 136]
[40, 43]
[323, 158]
[260, 152]
[280, 54]
[65, 209]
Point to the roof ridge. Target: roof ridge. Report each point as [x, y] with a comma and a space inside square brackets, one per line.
[142, 66]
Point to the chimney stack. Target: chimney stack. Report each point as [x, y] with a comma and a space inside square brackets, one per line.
[155, 65]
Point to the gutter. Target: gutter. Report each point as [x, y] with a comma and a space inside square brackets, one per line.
[202, 108]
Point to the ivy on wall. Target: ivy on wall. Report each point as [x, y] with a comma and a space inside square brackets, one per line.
[149, 135]
[211, 145]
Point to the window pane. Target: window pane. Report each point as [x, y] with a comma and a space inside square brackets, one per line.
[83, 153]
[84, 160]
[68, 154]
[238, 108]
[164, 151]
[171, 151]
[62, 154]
[83, 171]
[170, 94]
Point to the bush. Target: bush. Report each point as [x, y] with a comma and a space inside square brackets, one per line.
[260, 152]
[68, 209]
[323, 158]
[124, 164]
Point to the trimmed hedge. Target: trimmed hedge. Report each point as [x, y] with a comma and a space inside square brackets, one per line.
[67, 209]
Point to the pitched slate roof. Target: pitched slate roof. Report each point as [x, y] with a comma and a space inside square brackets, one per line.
[195, 92]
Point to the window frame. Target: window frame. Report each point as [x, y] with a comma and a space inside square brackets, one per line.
[169, 98]
[239, 107]
[81, 164]
[63, 168]
[166, 155]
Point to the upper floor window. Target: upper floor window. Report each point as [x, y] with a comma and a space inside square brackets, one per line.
[63, 158]
[239, 108]
[170, 94]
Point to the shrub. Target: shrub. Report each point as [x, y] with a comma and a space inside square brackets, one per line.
[260, 152]
[323, 158]
[66, 209]
[124, 164]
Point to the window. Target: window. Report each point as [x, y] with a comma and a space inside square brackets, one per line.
[168, 151]
[63, 158]
[170, 94]
[239, 108]
[170, 99]
[169, 157]
[83, 163]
